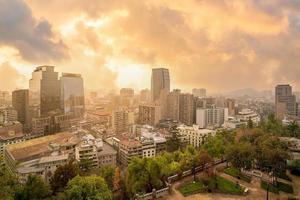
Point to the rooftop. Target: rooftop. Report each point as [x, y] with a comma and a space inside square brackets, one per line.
[107, 149]
[40, 146]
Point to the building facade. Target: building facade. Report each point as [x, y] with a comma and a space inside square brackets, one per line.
[211, 117]
[160, 81]
[149, 114]
[186, 109]
[285, 102]
[20, 102]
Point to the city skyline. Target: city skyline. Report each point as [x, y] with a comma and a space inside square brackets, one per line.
[254, 39]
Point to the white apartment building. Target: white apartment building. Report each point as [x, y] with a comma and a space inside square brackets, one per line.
[211, 117]
[194, 134]
[246, 114]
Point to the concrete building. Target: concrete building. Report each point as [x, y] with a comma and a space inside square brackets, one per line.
[20, 102]
[247, 114]
[44, 91]
[199, 92]
[5, 98]
[121, 120]
[230, 104]
[173, 105]
[10, 133]
[41, 156]
[127, 92]
[8, 114]
[186, 109]
[149, 114]
[72, 94]
[211, 117]
[234, 123]
[285, 102]
[195, 135]
[145, 96]
[160, 81]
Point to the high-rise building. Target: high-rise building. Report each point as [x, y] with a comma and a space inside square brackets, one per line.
[199, 92]
[8, 114]
[211, 117]
[20, 102]
[173, 105]
[285, 102]
[145, 95]
[186, 109]
[149, 114]
[4, 98]
[230, 104]
[44, 91]
[121, 120]
[72, 94]
[160, 82]
[127, 92]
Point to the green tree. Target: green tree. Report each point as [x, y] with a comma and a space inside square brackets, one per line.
[62, 175]
[142, 176]
[240, 155]
[250, 123]
[108, 173]
[173, 143]
[85, 165]
[8, 183]
[34, 189]
[90, 187]
[293, 129]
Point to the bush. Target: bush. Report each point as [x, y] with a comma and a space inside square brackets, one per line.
[190, 188]
[232, 171]
[287, 188]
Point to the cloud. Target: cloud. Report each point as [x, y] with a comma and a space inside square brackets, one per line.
[218, 44]
[33, 38]
[10, 78]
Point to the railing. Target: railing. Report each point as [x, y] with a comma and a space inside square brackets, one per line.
[166, 191]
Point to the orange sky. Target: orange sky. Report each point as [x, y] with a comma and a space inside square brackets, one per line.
[218, 44]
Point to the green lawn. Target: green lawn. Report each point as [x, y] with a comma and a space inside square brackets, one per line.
[232, 171]
[190, 188]
[225, 186]
[287, 188]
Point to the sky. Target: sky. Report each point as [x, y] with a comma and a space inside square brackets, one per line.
[221, 45]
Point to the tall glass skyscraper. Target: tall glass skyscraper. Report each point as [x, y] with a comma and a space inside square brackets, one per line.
[72, 94]
[160, 83]
[44, 92]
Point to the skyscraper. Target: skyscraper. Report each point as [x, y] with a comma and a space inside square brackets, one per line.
[160, 83]
[44, 91]
[72, 94]
[285, 102]
[186, 109]
[20, 101]
[199, 92]
[173, 105]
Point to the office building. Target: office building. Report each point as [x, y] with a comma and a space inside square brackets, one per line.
[285, 102]
[20, 102]
[127, 92]
[44, 92]
[186, 109]
[230, 104]
[173, 105]
[5, 99]
[121, 120]
[145, 96]
[72, 94]
[149, 114]
[8, 114]
[195, 135]
[160, 82]
[211, 117]
[199, 92]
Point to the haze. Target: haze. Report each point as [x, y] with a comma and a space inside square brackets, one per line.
[218, 45]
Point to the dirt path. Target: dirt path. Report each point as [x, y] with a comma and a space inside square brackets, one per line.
[255, 192]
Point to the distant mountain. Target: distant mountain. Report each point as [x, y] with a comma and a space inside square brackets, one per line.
[249, 92]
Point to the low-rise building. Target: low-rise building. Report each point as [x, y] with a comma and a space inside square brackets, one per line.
[194, 134]
[247, 114]
[234, 123]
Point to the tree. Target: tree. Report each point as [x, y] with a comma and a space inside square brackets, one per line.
[250, 123]
[34, 189]
[142, 176]
[204, 159]
[90, 187]
[117, 179]
[173, 143]
[240, 155]
[293, 129]
[62, 175]
[85, 165]
[108, 173]
[8, 183]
